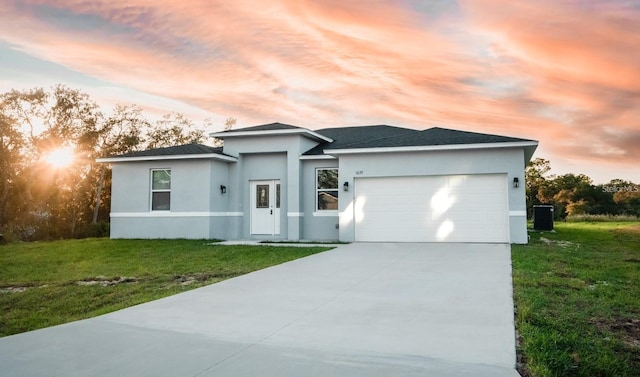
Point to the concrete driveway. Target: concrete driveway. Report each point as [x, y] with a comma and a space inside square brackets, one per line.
[358, 310]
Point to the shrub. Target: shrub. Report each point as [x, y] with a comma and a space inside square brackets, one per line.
[99, 229]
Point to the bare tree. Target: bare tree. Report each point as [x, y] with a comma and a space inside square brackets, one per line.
[228, 125]
[173, 129]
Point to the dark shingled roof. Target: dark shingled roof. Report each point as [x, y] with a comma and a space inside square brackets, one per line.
[389, 137]
[359, 137]
[174, 151]
[265, 127]
[432, 136]
[347, 137]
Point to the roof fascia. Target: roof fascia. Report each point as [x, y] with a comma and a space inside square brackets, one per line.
[420, 148]
[214, 156]
[318, 157]
[304, 132]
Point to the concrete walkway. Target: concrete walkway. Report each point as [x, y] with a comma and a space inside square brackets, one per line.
[357, 310]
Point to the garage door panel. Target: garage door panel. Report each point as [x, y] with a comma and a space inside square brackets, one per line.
[461, 208]
[402, 204]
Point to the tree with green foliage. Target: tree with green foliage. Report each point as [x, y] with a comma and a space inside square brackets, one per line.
[119, 133]
[575, 194]
[12, 143]
[536, 176]
[626, 195]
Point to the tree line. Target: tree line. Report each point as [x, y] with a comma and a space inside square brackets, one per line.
[40, 201]
[575, 194]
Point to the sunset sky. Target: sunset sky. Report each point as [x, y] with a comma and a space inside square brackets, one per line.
[566, 73]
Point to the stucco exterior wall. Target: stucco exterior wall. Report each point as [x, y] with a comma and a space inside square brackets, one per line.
[317, 226]
[254, 153]
[197, 208]
[480, 161]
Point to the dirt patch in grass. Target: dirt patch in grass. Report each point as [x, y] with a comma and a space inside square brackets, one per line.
[20, 288]
[563, 244]
[628, 328]
[627, 233]
[13, 289]
[202, 277]
[631, 229]
[562, 274]
[107, 282]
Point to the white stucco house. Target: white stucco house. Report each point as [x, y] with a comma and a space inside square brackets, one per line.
[365, 184]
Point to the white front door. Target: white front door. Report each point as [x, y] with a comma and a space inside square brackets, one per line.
[265, 207]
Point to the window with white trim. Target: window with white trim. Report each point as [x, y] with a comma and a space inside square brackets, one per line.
[327, 189]
[161, 189]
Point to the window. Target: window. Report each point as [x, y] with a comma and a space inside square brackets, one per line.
[327, 189]
[262, 196]
[160, 190]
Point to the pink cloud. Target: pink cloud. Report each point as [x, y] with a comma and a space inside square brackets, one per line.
[583, 67]
[565, 73]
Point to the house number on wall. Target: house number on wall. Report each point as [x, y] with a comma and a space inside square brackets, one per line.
[359, 172]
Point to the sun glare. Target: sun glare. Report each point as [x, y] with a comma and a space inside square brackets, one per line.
[61, 157]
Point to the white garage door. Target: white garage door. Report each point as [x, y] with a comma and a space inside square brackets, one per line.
[452, 208]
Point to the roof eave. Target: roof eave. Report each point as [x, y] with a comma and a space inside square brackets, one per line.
[528, 152]
[420, 148]
[317, 157]
[304, 132]
[213, 156]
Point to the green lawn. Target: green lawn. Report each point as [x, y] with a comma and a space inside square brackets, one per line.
[577, 295]
[48, 283]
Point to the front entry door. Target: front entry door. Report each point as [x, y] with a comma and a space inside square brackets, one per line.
[265, 207]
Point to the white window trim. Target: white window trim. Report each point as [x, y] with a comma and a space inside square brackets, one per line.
[318, 211]
[152, 191]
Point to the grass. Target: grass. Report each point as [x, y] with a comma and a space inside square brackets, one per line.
[49, 283]
[602, 218]
[577, 296]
